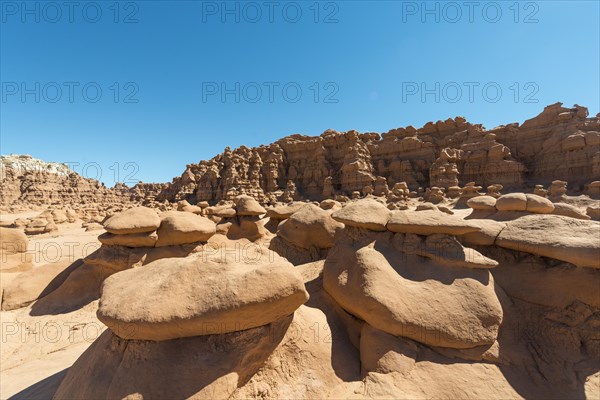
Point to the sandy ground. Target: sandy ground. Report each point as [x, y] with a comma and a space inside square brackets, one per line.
[6, 217]
[36, 350]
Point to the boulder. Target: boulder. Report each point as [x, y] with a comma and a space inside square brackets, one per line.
[179, 227]
[176, 298]
[202, 204]
[12, 241]
[311, 226]
[538, 204]
[409, 296]
[330, 204]
[426, 206]
[223, 211]
[31, 285]
[247, 205]
[93, 226]
[59, 216]
[562, 238]
[512, 202]
[284, 212]
[143, 239]
[366, 213]
[192, 209]
[429, 222]
[38, 226]
[482, 203]
[185, 205]
[134, 220]
[567, 210]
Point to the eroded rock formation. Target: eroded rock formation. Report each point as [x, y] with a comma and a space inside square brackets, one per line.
[560, 143]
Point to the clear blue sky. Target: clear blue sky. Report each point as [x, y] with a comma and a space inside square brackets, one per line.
[370, 56]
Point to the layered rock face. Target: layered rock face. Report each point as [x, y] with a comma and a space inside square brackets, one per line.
[560, 143]
[28, 181]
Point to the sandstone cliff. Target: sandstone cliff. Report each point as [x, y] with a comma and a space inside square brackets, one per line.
[560, 143]
[29, 181]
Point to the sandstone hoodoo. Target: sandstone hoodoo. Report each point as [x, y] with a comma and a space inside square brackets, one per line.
[169, 299]
[178, 227]
[13, 250]
[309, 227]
[482, 203]
[448, 261]
[429, 222]
[367, 213]
[134, 220]
[248, 206]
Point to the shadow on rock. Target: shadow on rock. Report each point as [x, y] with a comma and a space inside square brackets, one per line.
[211, 366]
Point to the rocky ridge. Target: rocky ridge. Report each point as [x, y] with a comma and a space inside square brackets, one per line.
[559, 144]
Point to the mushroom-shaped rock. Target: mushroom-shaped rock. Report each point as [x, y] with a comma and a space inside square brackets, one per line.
[246, 205]
[410, 296]
[366, 213]
[538, 204]
[202, 204]
[224, 211]
[179, 227]
[192, 209]
[311, 226]
[59, 216]
[426, 206]
[193, 297]
[482, 203]
[429, 222]
[181, 204]
[444, 249]
[12, 241]
[562, 238]
[92, 226]
[330, 204]
[512, 202]
[284, 212]
[568, 210]
[134, 220]
[38, 226]
[143, 239]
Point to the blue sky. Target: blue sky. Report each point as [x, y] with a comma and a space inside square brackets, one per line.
[180, 80]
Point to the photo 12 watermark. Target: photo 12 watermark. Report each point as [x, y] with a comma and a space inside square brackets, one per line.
[52, 12]
[270, 92]
[470, 91]
[453, 12]
[252, 12]
[69, 92]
